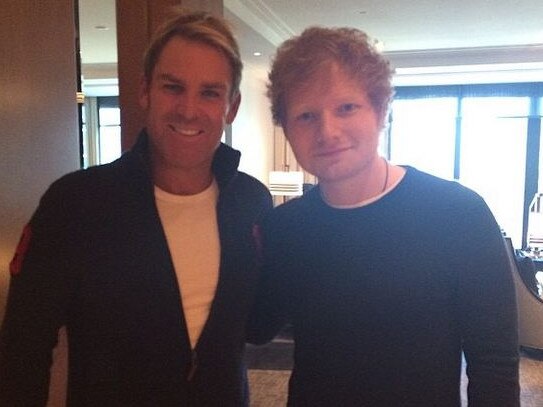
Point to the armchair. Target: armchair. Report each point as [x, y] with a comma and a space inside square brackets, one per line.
[530, 305]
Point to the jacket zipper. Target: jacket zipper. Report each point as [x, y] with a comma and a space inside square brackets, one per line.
[193, 365]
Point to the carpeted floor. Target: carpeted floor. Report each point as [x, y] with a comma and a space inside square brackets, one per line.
[276, 355]
[268, 387]
[269, 373]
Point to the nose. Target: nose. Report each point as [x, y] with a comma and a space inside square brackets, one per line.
[187, 106]
[328, 128]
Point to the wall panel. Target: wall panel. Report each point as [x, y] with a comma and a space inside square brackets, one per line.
[39, 133]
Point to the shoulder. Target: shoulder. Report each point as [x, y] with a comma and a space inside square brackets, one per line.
[445, 205]
[293, 214]
[247, 193]
[95, 178]
[249, 184]
[245, 196]
[90, 188]
[295, 206]
[435, 190]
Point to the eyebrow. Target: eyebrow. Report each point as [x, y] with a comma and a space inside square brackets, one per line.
[209, 85]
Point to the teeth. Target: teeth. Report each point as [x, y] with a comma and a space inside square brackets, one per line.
[184, 132]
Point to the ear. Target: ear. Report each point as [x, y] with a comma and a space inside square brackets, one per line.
[233, 110]
[143, 94]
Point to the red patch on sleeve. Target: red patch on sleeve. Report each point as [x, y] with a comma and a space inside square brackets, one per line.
[17, 261]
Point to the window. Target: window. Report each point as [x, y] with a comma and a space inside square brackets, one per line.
[539, 114]
[484, 136]
[101, 130]
[423, 132]
[109, 119]
[493, 156]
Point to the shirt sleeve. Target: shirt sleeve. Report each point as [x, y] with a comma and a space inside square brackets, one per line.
[268, 315]
[36, 308]
[487, 312]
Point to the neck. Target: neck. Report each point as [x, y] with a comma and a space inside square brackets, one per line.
[180, 182]
[369, 183]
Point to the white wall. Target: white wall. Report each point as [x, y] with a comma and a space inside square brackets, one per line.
[468, 65]
[252, 131]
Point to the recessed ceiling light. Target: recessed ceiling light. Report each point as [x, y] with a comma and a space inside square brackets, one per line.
[257, 54]
[101, 27]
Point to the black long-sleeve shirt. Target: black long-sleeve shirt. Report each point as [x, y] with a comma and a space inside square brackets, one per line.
[384, 298]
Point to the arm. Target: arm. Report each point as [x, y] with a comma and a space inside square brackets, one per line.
[269, 313]
[488, 314]
[35, 309]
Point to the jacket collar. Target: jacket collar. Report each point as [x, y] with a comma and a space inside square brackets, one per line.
[225, 162]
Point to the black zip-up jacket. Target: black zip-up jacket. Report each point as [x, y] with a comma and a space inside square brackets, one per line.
[94, 258]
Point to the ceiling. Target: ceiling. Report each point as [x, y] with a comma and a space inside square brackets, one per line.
[403, 27]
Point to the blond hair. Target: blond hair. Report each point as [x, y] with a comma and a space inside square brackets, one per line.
[199, 26]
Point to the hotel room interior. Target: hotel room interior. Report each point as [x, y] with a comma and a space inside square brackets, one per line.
[465, 70]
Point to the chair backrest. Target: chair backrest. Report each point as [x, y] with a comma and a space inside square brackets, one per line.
[526, 268]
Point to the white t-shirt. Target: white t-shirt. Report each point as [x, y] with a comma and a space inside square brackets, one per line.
[191, 228]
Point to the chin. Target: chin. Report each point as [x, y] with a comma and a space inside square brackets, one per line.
[336, 176]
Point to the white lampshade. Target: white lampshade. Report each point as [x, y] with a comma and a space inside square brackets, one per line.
[286, 183]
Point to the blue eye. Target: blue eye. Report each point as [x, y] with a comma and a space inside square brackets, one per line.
[305, 117]
[347, 108]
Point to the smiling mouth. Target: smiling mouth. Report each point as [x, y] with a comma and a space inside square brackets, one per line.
[331, 152]
[184, 131]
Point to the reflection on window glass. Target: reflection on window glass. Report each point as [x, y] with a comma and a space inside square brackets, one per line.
[540, 179]
[110, 116]
[423, 134]
[493, 156]
[85, 135]
[110, 143]
[110, 134]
